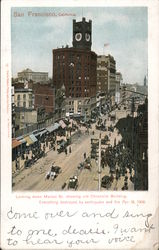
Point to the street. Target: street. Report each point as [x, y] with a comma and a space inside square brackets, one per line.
[33, 178]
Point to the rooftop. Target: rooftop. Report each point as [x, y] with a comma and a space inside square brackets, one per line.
[21, 90]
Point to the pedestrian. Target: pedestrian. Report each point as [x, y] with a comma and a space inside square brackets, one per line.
[70, 149]
[84, 155]
[65, 151]
[114, 142]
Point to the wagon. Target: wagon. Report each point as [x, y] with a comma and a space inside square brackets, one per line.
[73, 182]
[106, 182]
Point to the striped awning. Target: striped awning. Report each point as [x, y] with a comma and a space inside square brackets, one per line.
[28, 140]
[33, 138]
[62, 124]
[53, 127]
[15, 143]
[42, 132]
[21, 139]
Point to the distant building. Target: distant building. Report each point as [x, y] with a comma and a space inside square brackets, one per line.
[28, 74]
[111, 65]
[23, 98]
[102, 74]
[119, 80]
[44, 96]
[145, 80]
[80, 106]
[107, 78]
[25, 117]
[13, 111]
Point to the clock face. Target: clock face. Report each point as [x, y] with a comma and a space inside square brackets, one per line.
[78, 37]
[87, 36]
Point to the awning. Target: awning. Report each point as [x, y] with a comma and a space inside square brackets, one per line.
[15, 143]
[33, 138]
[78, 115]
[62, 124]
[53, 127]
[21, 139]
[43, 132]
[56, 125]
[40, 132]
[28, 140]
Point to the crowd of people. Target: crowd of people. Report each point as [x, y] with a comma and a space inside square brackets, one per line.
[119, 160]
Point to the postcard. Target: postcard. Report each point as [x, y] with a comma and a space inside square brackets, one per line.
[79, 125]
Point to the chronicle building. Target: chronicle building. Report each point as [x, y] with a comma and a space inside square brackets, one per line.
[75, 68]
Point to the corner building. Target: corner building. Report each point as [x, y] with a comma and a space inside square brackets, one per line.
[76, 70]
[75, 67]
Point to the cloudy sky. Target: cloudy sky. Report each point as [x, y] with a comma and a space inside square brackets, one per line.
[124, 28]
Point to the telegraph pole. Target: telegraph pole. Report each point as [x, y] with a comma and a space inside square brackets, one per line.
[99, 164]
[132, 111]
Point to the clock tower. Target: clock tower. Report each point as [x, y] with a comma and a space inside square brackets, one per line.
[82, 34]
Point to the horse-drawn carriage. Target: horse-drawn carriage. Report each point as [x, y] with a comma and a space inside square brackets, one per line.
[87, 163]
[53, 173]
[62, 146]
[73, 182]
[105, 140]
[101, 127]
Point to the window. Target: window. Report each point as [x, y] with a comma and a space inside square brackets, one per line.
[18, 104]
[30, 104]
[18, 97]
[24, 104]
[24, 96]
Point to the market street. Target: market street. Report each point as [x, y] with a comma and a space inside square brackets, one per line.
[33, 178]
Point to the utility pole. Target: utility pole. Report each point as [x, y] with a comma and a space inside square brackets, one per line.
[132, 111]
[99, 164]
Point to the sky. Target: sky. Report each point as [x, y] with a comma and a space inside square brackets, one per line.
[125, 29]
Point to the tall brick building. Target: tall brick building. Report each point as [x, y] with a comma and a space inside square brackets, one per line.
[76, 70]
[75, 67]
[44, 96]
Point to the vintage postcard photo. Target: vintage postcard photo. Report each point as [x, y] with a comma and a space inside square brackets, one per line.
[79, 98]
[79, 125]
